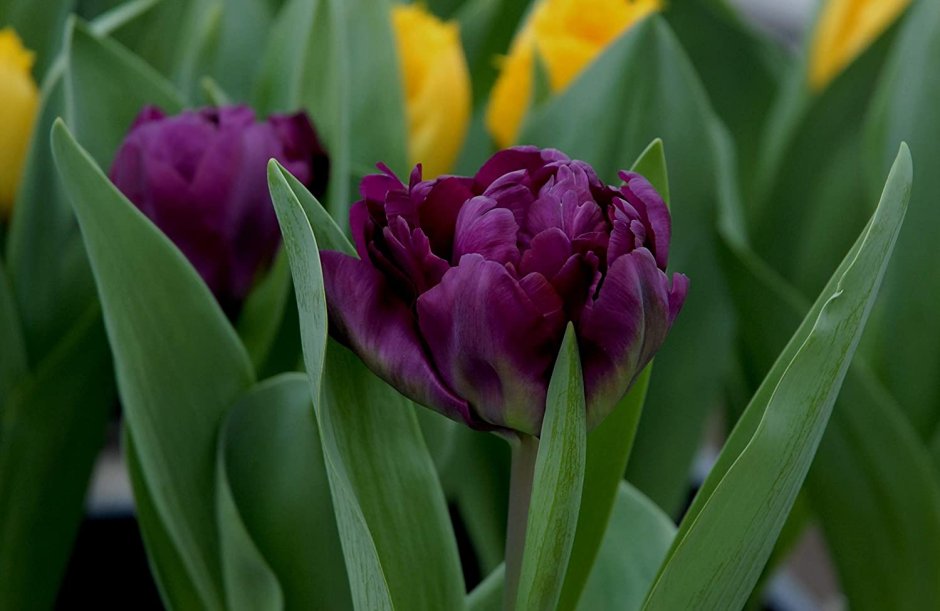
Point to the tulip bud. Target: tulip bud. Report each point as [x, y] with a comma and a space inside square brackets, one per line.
[567, 35]
[200, 176]
[436, 85]
[844, 30]
[19, 100]
[465, 285]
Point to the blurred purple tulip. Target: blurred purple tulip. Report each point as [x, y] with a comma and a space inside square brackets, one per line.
[465, 284]
[201, 177]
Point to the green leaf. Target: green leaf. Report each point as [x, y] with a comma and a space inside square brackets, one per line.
[740, 68]
[173, 398]
[13, 362]
[557, 483]
[274, 463]
[329, 235]
[390, 508]
[249, 581]
[51, 428]
[640, 88]
[906, 109]
[486, 30]
[608, 448]
[105, 88]
[652, 164]
[729, 531]
[176, 587]
[263, 312]
[356, 97]
[635, 543]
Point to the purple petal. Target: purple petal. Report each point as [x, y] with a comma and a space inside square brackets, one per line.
[653, 212]
[491, 342]
[378, 326]
[438, 212]
[622, 329]
[528, 158]
[484, 229]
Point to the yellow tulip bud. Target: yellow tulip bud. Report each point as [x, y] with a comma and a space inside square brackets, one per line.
[844, 30]
[437, 87]
[568, 35]
[19, 100]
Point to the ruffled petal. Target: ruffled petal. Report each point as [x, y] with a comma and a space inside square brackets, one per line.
[492, 344]
[653, 212]
[528, 158]
[489, 231]
[366, 315]
[438, 212]
[621, 330]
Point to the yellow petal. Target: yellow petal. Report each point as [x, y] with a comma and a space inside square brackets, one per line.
[568, 35]
[436, 84]
[19, 100]
[844, 30]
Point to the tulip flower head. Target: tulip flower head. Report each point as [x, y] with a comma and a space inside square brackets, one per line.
[19, 100]
[844, 30]
[567, 35]
[436, 85]
[201, 177]
[465, 285]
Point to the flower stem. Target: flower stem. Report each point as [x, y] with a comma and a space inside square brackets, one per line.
[524, 454]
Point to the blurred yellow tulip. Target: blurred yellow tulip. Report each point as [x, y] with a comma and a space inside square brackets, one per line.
[437, 87]
[19, 100]
[844, 30]
[568, 35]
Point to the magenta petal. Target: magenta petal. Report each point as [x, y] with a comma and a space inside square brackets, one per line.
[366, 315]
[528, 158]
[622, 329]
[438, 213]
[492, 344]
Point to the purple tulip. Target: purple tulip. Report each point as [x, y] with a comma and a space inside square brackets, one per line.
[201, 177]
[465, 285]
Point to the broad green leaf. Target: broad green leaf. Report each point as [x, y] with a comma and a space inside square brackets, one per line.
[729, 531]
[263, 312]
[488, 595]
[904, 349]
[486, 30]
[608, 448]
[390, 508]
[809, 202]
[329, 235]
[250, 584]
[355, 98]
[105, 88]
[557, 484]
[13, 360]
[304, 257]
[46, 260]
[643, 87]
[176, 587]
[477, 482]
[274, 464]
[740, 69]
[178, 361]
[636, 540]
[51, 427]
[635, 543]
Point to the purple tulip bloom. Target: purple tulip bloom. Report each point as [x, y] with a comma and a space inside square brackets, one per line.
[201, 177]
[465, 285]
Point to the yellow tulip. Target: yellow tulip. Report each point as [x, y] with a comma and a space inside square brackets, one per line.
[844, 30]
[19, 100]
[437, 87]
[568, 35]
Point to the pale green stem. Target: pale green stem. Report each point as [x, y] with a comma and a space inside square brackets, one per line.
[524, 453]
